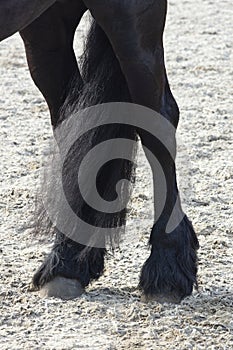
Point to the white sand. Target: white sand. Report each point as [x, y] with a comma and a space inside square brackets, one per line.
[198, 45]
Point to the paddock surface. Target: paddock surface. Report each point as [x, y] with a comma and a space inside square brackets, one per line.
[198, 45]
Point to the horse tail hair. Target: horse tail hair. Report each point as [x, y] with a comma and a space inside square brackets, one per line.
[103, 82]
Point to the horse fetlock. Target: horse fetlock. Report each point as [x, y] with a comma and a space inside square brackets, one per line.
[170, 273]
[70, 262]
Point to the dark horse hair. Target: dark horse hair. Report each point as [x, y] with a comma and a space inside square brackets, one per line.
[171, 269]
[103, 81]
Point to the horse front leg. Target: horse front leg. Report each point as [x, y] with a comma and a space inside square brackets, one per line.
[135, 32]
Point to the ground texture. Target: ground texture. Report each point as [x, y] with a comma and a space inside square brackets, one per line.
[198, 46]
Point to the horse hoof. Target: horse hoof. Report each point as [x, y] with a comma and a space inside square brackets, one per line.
[161, 298]
[63, 288]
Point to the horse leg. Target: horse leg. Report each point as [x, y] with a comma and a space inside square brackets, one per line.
[135, 32]
[51, 59]
[49, 48]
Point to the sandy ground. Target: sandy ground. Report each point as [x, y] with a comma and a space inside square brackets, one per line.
[198, 45]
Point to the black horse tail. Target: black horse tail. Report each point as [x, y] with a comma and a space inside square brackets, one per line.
[103, 82]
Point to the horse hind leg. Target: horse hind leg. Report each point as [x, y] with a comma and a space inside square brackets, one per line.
[49, 48]
[136, 32]
[68, 269]
[52, 63]
[70, 263]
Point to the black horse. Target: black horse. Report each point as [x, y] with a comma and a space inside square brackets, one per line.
[123, 61]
